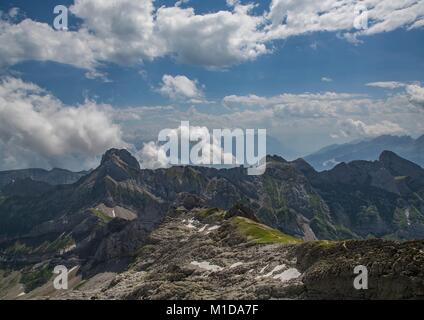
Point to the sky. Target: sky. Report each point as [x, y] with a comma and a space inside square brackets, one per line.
[313, 73]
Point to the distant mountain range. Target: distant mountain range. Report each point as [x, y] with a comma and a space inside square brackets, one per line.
[53, 177]
[136, 230]
[405, 146]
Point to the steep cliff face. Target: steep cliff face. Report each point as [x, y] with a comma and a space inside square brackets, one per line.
[381, 198]
[394, 269]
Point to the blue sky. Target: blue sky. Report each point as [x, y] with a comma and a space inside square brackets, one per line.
[315, 85]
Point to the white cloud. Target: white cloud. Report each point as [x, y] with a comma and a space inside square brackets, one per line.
[128, 32]
[416, 95]
[215, 40]
[326, 79]
[180, 88]
[355, 128]
[34, 122]
[153, 156]
[390, 15]
[181, 2]
[306, 105]
[386, 84]
[30, 40]
[13, 12]
[414, 92]
[304, 122]
[296, 17]
[301, 123]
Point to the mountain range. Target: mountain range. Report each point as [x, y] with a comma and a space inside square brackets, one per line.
[53, 177]
[125, 231]
[370, 149]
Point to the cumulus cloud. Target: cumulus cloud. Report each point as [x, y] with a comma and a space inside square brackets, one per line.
[416, 95]
[180, 88]
[30, 40]
[214, 40]
[34, 122]
[355, 128]
[128, 32]
[355, 18]
[153, 156]
[414, 92]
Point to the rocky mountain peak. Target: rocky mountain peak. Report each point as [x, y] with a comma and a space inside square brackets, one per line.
[275, 158]
[388, 156]
[398, 166]
[304, 167]
[121, 157]
[420, 140]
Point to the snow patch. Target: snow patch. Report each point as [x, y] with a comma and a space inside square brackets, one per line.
[263, 269]
[68, 248]
[203, 228]
[190, 224]
[269, 274]
[287, 275]
[330, 163]
[213, 228]
[207, 266]
[407, 214]
[235, 265]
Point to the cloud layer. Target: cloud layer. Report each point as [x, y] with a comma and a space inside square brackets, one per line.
[37, 127]
[128, 32]
[38, 130]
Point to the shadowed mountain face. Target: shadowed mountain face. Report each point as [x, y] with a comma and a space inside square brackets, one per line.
[370, 150]
[101, 221]
[382, 198]
[354, 200]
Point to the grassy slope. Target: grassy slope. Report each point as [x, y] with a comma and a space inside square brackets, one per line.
[260, 233]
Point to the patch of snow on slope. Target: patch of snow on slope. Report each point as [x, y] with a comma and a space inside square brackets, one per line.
[407, 214]
[269, 274]
[190, 224]
[235, 265]
[263, 269]
[203, 228]
[287, 275]
[206, 266]
[213, 228]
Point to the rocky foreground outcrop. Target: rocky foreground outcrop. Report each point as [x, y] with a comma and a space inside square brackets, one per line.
[211, 254]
